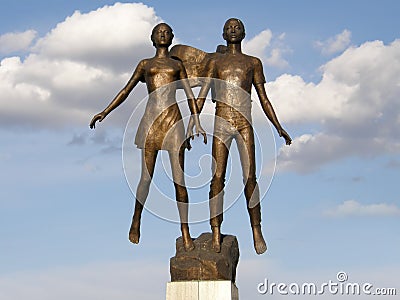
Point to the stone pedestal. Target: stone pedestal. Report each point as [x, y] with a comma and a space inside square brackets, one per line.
[203, 263]
[202, 290]
[203, 274]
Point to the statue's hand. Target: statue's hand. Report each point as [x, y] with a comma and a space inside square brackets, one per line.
[200, 130]
[194, 121]
[282, 133]
[189, 133]
[99, 117]
[187, 144]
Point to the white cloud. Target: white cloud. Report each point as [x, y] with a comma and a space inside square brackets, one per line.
[48, 93]
[82, 63]
[16, 41]
[308, 151]
[77, 68]
[336, 44]
[111, 35]
[355, 208]
[257, 45]
[355, 106]
[276, 59]
[300, 102]
[269, 49]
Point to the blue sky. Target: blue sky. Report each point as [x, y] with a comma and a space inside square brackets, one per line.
[333, 72]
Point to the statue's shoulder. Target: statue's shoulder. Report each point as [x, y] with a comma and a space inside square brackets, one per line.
[144, 62]
[255, 60]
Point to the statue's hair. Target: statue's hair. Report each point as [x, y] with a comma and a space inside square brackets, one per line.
[155, 29]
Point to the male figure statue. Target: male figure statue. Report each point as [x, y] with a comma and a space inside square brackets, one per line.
[233, 121]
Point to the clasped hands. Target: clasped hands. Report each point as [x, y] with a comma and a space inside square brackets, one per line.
[194, 122]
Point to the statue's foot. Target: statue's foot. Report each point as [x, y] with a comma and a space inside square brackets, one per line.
[187, 240]
[188, 243]
[216, 239]
[134, 234]
[259, 243]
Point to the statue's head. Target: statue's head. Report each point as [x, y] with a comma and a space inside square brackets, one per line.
[162, 35]
[233, 31]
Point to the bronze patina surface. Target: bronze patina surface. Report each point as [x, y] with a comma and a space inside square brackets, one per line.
[204, 263]
[238, 73]
[161, 127]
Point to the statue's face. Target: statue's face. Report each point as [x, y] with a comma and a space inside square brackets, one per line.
[162, 36]
[233, 31]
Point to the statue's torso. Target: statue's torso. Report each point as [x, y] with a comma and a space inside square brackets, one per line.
[161, 126]
[232, 91]
[236, 69]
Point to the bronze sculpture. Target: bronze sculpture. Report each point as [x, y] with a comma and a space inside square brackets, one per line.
[161, 127]
[233, 121]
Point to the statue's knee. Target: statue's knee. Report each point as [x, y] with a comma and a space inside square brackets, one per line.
[250, 180]
[251, 191]
[145, 182]
[217, 183]
[181, 193]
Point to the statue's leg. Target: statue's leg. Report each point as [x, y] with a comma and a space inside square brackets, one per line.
[220, 152]
[245, 142]
[177, 166]
[149, 157]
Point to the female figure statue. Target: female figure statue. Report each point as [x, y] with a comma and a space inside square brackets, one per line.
[161, 127]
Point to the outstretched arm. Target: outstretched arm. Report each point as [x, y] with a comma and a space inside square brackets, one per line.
[270, 113]
[120, 97]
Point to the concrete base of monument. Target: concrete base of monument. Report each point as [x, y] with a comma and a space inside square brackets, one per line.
[202, 290]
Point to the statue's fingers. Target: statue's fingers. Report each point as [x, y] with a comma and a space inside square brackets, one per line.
[205, 138]
[187, 144]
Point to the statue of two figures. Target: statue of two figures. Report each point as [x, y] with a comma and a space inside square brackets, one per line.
[230, 75]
